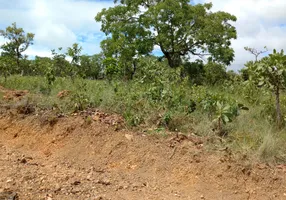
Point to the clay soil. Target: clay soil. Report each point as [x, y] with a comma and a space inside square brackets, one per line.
[72, 159]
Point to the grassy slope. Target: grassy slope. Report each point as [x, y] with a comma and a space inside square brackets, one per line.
[251, 133]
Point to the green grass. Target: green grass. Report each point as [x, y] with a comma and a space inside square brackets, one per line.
[166, 107]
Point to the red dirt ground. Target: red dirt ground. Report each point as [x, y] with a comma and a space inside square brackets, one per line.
[13, 94]
[80, 161]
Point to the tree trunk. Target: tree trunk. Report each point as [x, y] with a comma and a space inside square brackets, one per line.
[134, 70]
[278, 110]
[219, 126]
[169, 59]
[18, 63]
[18, 56]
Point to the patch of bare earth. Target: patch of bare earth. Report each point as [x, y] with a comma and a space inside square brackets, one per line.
[72, 159]
[13, 94]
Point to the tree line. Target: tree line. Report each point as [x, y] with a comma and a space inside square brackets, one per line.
[195, 43]
[178, 28]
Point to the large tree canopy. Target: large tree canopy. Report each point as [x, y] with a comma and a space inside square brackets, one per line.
[178, 28]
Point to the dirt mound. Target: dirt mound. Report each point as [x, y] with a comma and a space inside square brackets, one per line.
[110, 119]
[70, 160]
[13, 94]
[63, 94]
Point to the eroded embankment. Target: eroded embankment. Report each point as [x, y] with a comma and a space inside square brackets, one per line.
[72, 159]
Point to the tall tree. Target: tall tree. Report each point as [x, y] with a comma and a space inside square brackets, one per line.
[18, 42]
[176, 26]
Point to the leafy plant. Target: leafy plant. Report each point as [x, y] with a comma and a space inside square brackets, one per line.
[50, 75]
[270, 73]
[79, 98]
[167, 118]
[223, 115]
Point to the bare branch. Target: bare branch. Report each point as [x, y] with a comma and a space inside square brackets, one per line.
[256, 52]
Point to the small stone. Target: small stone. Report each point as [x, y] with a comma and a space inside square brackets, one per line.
[120, 187]
[129, 137]
[76, 190]
[30, 188]
[23, 161]
[96, 118]
[42, 188]
[89, 176]
[49, 197]
[9, 181]
[57, 187]
[138, 185]
[99, 197]
[104, 181]
[202, 197]
[76, 183]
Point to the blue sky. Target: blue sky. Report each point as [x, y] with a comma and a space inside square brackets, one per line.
[60, 23]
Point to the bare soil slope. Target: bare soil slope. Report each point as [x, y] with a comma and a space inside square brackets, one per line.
[73, 160]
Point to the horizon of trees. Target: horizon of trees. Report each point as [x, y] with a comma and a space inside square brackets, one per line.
[180, 30]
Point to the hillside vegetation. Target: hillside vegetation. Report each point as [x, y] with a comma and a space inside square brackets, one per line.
[186, 89]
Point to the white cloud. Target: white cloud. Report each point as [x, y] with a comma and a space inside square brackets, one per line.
[259, 23]
[56, 23]
[53, 35]
[2, 41]
[77, 15]
[38, 52]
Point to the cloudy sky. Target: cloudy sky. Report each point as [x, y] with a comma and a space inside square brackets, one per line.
[60, 23]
